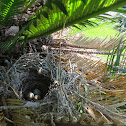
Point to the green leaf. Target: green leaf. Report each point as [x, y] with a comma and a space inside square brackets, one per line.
[61, 6]
[49, 5]
[119, 53]
[84, 1]
[119, 68]
[121, 10]
[38, 15]
[49, 21]
[45, 14]
[114, 60]
[83, 24]
[35, 23]
[78, 13]
[8, 9]
[76, 27]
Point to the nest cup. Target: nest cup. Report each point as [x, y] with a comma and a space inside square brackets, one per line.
[31, 71]
[40, 74]
[36, 81]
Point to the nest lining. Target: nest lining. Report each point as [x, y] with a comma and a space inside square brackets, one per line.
[36, 81]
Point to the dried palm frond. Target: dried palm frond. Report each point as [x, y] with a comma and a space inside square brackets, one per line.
[10, 113]
[100, 43]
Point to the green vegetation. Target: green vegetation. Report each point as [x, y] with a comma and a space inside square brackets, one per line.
[100, 31]
[55, 15]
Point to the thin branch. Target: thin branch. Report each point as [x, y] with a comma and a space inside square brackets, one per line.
[60, 79]
[83, 52]
[24, 106]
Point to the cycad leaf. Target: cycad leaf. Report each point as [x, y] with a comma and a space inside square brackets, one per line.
[85, 1]
[121, 10]
[61, 6]
[114, 60]
[45, 14]
[83, 24]
[77, 27]
[9, 8]
[49, 5]
[78, 12]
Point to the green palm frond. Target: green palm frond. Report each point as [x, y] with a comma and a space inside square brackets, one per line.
[121, 10]
[116, 61]
[8, 9]
[56, 13]
[78, 12]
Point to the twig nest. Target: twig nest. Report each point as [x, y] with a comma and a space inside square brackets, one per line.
[12, 31]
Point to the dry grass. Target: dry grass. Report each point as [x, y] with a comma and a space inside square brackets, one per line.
[79, 98]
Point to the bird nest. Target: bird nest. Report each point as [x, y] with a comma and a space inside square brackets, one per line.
[64, 91]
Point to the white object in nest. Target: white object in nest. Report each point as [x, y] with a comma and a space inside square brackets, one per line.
[30, 96]
[37, 97]
[44, 48]
[56, 82]
[12, 31]
[40, 71]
